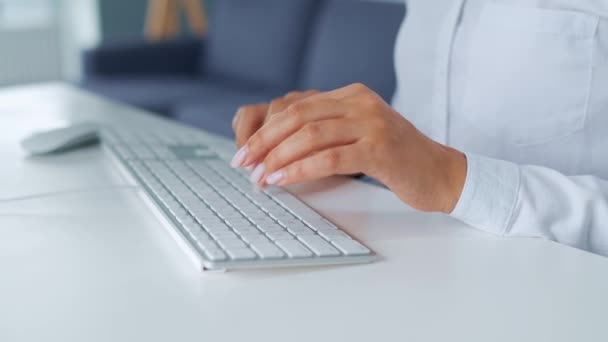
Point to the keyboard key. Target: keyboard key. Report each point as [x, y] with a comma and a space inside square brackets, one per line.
[222, 234]
[124, 152]
[275, 236]
[267, 250]
[142, 152]
[300, 230]
[215, 225]
[255, 238]
[271, 227]
[294, 248]
[349, 246]
[264, 221]
[333, 233]
[206, 244]
[232, 243]
[318, 245]
[241, 254]
[246, 230]
[200, 235]
[320, 223]
[238, 221]
[215, 255]
[188, 221]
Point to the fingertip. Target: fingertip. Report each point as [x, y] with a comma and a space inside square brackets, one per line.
[276, 177]
[257, 173]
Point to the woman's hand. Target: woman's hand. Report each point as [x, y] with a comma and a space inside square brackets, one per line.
[249, 119]
[352, 130]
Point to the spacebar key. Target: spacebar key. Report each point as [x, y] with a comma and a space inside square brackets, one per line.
[318, 245]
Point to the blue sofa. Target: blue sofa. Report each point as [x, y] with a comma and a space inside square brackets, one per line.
[255, 51]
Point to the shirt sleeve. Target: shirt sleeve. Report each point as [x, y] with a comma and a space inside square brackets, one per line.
[504, 198]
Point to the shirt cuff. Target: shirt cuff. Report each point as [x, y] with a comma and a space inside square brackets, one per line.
[489, 195]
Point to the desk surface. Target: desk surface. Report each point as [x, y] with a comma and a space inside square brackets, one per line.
[97, 266]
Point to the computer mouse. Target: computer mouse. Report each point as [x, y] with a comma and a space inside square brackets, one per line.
[61, 139]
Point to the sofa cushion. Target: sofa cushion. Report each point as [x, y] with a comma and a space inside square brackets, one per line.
[257, 42]
[138, 57]
[174, 96]
[155, 94]
[214, 109]
[353, 41]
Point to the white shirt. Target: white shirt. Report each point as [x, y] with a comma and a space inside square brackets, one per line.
[520, 86]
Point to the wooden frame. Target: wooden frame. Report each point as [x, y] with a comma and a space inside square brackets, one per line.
[163, 18]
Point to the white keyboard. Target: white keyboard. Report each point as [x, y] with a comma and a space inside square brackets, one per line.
[216, 215]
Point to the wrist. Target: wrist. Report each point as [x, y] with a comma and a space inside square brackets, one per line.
[454, 172]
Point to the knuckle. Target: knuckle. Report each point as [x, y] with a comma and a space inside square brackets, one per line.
[359, 87]
[271, 115]
[310, 92]
[312, 132]
[371, 101]
[277, 104]
[332, 160]
[293, 121]
[296, 109]
[292, 94]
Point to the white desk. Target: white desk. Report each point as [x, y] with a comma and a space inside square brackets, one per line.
[98, 267]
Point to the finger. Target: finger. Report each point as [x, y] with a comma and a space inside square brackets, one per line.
[288, 122]
[293, 95]
[277, 105]
[346, 91]
[247, 121]
[280, 104]
[313, 137]
[299, 95]
[341, 160]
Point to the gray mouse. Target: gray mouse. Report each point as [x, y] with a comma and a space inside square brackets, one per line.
[61, 139]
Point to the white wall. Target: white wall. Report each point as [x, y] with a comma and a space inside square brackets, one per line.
[79, 30]
[46, 43]
[29, 55]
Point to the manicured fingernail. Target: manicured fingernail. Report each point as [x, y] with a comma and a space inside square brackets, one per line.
[257, 173]
[275, 177]
[239, 156]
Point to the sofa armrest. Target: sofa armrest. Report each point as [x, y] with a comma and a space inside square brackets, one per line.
[133, 58]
